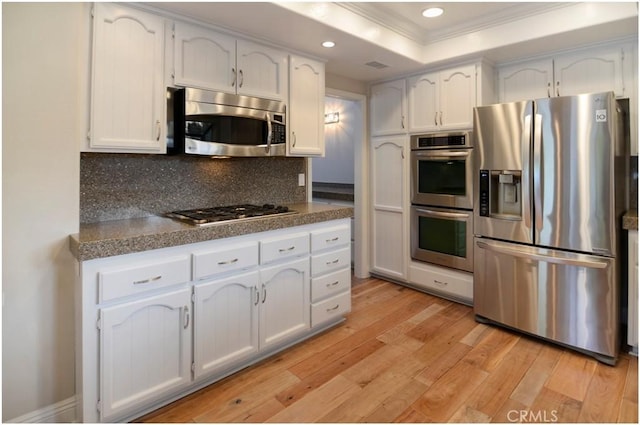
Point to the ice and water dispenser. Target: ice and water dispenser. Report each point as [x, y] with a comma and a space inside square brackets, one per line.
[501, 194]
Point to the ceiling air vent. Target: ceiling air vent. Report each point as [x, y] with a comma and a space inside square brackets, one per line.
[376, 65]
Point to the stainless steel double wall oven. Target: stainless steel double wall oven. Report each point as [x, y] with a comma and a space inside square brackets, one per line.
[442, 199]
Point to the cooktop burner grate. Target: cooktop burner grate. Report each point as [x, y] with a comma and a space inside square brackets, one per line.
[206, 216]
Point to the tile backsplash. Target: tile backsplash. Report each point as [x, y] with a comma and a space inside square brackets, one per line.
[120, 186]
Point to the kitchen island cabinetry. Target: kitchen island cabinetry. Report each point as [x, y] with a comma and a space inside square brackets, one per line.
[211, 60]
[156, 325]
[389, 108]
[390, 191]
[127, 86]
[442, 100]
[306, 107]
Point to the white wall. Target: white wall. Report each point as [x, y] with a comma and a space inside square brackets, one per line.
[337, 166]
[43, 70]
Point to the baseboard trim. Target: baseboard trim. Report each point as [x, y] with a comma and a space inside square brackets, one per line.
[61, 412]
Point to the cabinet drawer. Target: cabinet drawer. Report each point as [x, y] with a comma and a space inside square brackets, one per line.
[134, 279]
[330, 284]
[334, 260]
[330, 238]
[222, 260]
[283, 247]
[331, 308]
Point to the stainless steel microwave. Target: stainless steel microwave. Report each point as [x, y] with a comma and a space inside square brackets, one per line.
[203, 122]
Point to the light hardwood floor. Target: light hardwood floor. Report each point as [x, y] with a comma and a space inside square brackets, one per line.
[404, 356]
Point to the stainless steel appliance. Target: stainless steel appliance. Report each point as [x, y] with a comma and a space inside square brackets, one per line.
[551, 195]
[203, 122]
[442, 199]
[442, 170]
[215, 215]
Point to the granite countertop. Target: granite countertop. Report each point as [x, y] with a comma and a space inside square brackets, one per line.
[336, 191]
[630, 220]
[118, 237]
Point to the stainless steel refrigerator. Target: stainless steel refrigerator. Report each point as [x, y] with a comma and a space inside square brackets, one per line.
[551, 193]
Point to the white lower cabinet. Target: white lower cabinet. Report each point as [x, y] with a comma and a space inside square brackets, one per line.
[226, 322]
[156, 325]
[284, 302]
[145, 348]
[632, 320]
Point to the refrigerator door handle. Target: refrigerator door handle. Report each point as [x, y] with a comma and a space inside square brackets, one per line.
[538, 184]
[574, 260]
[526, 166]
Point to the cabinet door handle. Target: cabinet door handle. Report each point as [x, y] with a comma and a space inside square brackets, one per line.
[264, 293]
[291, 248]
[402, 121]
[222, 263]
[151, 279]
[440, 117]
[557, 88]
[333, 308]
[295, 139]
[159, 130]
[241, 78]
[235, 77]
[549, 89]
[255, 288]
[186, 317]
[329, 285]
[435, 118]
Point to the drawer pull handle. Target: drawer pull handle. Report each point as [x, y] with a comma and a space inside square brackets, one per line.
[334, 308]
[329, 285]
[151, 279]
[438, 282]
[333, 240]
[336, 261]
[223, 263]
[291, 248]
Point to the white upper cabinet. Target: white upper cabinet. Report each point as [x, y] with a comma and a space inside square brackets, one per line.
[388, 108]
[532, 80]
[606, 68]
[214, 61]
[442, 100]
[589, 72]
[306, 107]
[127, 90]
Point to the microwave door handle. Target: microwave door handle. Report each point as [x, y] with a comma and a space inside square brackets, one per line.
[269, 131]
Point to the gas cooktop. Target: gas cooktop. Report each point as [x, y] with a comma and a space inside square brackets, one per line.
[214, 215]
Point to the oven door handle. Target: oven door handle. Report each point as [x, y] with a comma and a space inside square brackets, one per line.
[443, 214]
[443, 156]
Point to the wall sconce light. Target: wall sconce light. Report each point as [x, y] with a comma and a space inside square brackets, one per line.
[332, 117]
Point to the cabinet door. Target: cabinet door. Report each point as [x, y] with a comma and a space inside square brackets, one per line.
[589, 72]
[204, 58]
[389, 188]
[262, 71]
[306, 107]
[145, 350]
[284, 302]
[632, 322]
[423, 102]
[457, 97]
[525, 81]
[226, 322]
[388, 108]
[127, 92]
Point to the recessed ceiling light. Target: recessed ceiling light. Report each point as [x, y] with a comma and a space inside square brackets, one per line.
[432, 12]
[328, 44]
